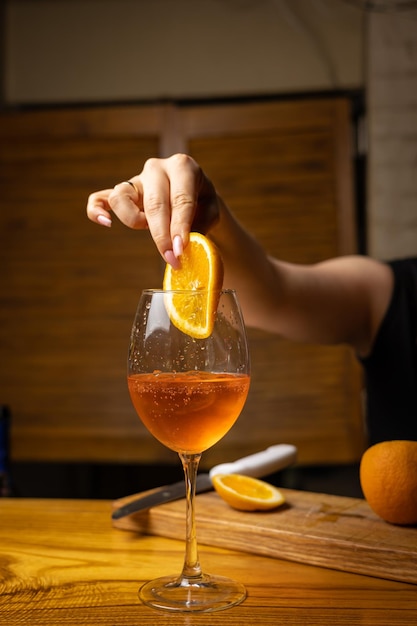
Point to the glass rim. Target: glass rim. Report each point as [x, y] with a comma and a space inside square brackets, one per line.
[151, 291]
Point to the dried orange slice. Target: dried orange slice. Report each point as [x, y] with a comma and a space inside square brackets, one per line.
[246, 493]
[201, 270]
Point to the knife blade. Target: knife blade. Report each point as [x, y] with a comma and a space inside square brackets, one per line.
[260, 464]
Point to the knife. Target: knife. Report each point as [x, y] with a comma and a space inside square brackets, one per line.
[256, 465]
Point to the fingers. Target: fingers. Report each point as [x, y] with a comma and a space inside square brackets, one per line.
[156, 203]
[98, 209]
[170, 199]
[184, 174]
[165, 198]
[126, 202]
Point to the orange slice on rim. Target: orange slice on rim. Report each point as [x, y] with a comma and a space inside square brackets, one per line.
[246, 493]
[201, 271]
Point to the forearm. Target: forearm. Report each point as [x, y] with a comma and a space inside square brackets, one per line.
[341, 300]
[249, 271]
[275, 296]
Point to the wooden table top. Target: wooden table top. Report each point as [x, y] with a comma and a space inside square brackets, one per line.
[62, 562]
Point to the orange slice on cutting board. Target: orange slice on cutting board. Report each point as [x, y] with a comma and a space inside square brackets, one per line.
[246, 493]
[201, 270]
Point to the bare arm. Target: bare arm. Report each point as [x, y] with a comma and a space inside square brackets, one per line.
[341, 300]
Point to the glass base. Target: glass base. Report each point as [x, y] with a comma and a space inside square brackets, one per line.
[192, 595]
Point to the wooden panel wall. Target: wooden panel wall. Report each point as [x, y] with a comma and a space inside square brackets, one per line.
[69, 288]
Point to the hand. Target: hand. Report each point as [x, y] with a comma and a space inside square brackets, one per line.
[170, 197]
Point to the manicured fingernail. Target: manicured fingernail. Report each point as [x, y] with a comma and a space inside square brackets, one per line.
[170, 258]
[104, 220]
[177, 246]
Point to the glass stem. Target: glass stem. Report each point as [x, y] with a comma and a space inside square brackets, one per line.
[192, 568]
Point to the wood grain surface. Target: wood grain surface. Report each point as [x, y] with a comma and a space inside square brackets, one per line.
[319, 529]
[62, 563]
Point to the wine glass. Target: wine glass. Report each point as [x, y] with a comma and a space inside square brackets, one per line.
[188, 392]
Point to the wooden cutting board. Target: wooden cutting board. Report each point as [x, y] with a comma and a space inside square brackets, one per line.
[325, 530]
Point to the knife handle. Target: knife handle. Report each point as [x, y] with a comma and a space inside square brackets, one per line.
[260, 464]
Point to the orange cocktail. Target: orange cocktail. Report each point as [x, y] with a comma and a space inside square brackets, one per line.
[188, 411]
[188, 378]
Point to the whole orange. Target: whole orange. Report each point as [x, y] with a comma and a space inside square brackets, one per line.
[388, 476]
